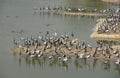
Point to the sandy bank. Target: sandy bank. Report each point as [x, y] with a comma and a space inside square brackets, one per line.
[71, 53]
[82, 13]
[112, 1]
[108, 37]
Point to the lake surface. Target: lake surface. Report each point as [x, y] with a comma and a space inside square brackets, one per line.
[18, 16]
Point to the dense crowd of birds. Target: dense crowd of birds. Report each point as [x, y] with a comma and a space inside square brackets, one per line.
[53, 45]
[63, 47]
[111, 24]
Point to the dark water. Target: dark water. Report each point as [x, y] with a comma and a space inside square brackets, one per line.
[17, 16]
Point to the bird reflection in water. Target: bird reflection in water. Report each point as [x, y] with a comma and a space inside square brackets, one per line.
[117, 69]
[89, 64]
[106, 65]
[82, 63]
[20, 60]
[65, 66]
[77, 63]
[94, 63]
[53, 62]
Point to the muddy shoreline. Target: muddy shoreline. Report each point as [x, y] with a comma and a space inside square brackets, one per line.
[112, 1]
[82, 13]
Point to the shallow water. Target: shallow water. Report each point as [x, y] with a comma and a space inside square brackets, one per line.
[17, 16]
